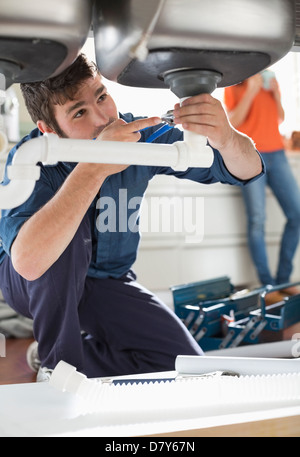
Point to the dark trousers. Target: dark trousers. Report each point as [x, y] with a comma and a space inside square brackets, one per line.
[103, 327]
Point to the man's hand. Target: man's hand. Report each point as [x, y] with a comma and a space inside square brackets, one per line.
[205, 115]
[119, 130]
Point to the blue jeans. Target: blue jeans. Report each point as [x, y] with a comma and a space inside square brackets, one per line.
[279, 177]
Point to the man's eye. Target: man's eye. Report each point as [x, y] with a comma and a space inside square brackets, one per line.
[79, 114]
[102, 97]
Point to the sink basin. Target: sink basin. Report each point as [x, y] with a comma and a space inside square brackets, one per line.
[138, 41]
[38, 39]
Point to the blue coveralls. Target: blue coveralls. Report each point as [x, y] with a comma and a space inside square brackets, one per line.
[88, 308]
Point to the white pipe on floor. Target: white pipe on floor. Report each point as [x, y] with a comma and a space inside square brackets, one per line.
[50, 149]
[283, 349]
[196, 365]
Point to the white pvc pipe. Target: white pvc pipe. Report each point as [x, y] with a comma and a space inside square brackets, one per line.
[15, 193]
[50, 149]
[88, 151]
[201, 155]
[196, 365]
[284, 349]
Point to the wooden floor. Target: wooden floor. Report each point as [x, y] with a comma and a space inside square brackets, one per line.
[13, 367]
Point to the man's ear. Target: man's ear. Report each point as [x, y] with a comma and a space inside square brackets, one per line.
[44, 128]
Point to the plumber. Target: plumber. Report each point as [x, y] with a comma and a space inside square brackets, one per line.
[75, 282]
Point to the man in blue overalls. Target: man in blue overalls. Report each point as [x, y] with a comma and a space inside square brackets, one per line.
[74, 280]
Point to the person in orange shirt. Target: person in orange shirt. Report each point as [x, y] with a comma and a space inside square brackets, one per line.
[254, 108]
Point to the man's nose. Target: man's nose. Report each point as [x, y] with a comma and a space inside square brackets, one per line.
[100, 117]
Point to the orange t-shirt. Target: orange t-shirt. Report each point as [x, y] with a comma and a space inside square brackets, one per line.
[261, 123]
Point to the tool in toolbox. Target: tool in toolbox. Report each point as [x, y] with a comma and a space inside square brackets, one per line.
[219, 316]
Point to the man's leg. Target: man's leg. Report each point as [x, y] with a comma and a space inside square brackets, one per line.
[52, 301]
[130, 329]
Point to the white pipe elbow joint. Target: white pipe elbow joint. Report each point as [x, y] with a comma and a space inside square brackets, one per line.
[24, 172]
[24, 166]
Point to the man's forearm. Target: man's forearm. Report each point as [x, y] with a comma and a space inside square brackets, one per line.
[240, 157]
[45, 236]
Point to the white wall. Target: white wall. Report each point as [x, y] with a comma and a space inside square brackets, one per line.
[167, 259]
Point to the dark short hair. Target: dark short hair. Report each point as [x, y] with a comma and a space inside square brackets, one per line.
[41, 96]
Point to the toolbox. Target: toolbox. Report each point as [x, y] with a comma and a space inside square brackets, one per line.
[219, 316]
